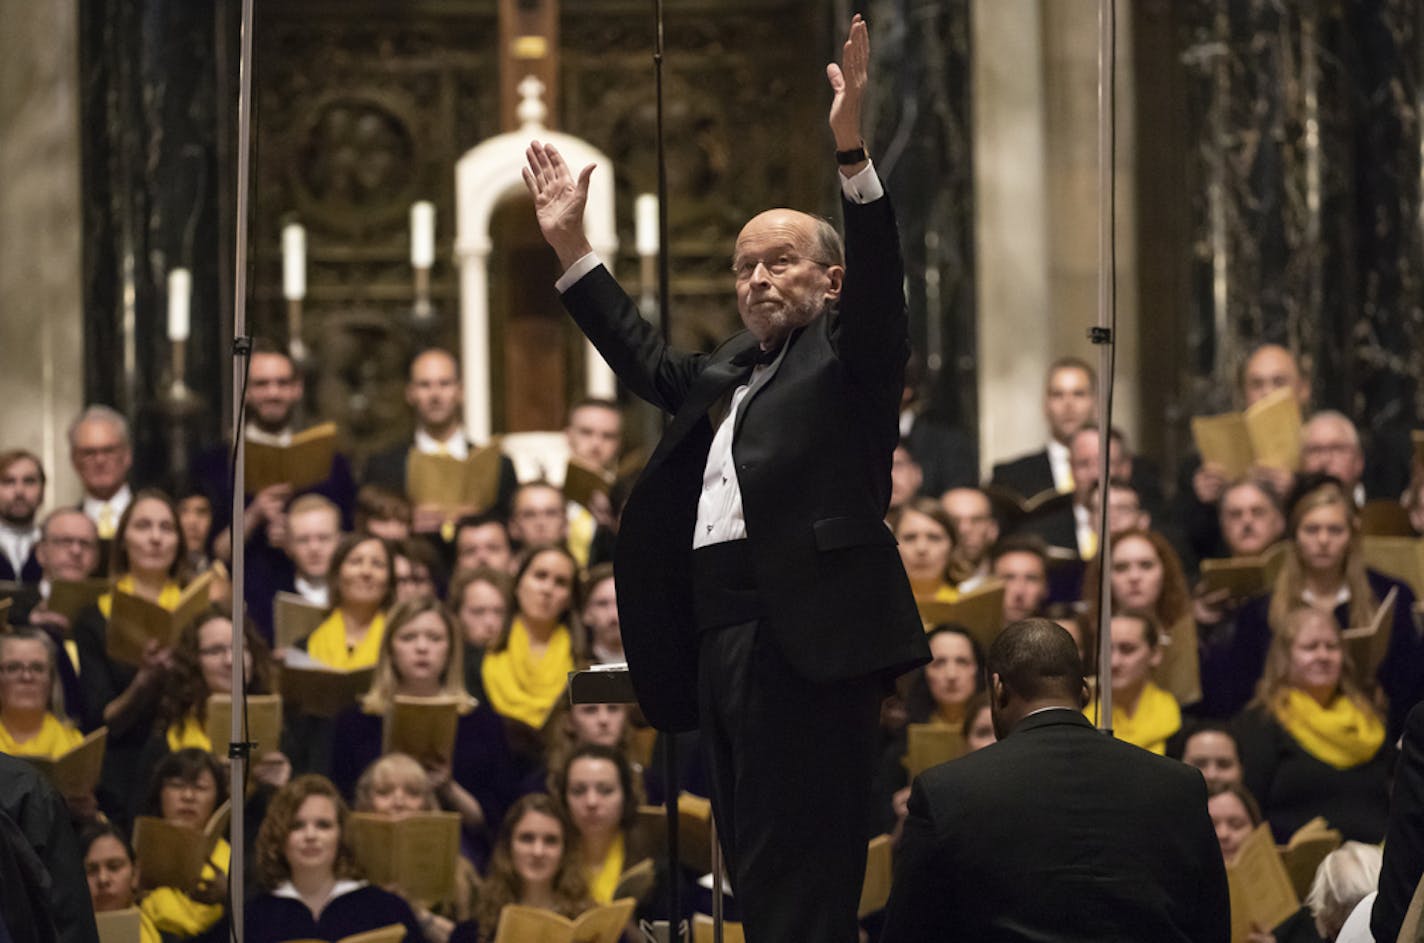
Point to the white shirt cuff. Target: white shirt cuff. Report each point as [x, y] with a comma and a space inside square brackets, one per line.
[586, 263]
[864, 187]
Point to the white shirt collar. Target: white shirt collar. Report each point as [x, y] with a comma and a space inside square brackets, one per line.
[283, 438]
[117, 504]
[1342, 596]
[1061, 465]
[455, 446]
[288, 889]
[319, 593]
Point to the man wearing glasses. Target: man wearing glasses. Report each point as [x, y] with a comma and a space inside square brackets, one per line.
[100, 450]
[760, 593]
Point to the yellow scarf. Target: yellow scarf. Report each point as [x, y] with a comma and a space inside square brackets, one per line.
[1343, 734]
[603, 878]
[167, 597]
[188, 733]
[946, 593]
[54, 739]
[176, 913]
[327, 644]
[521, 687]
[1157, 717]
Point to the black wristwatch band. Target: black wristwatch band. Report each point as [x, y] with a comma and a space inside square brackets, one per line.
[854, 156]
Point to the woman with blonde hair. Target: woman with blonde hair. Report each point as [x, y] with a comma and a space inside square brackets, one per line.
[1311, 742]
[535, 863]
[394, 786]
[33, 721]
[1324, 568]
[312, 884]
[421, 656]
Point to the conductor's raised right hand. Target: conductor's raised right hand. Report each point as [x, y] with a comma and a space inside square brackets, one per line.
[559, 201]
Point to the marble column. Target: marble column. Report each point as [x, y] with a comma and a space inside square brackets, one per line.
[922, 145]
[1306, 127]
[150, 181]
[1011, 233]
[41, 335]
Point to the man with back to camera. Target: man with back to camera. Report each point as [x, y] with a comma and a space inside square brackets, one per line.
[759, 590]
[1123, 850]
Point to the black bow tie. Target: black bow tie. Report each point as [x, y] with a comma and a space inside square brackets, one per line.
[756, 356]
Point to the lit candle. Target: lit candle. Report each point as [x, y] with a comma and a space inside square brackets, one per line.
[180, 293]
[645, 219]
[422, 234]
[294, 262]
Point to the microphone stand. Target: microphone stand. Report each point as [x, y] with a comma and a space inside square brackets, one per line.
[239, 748]
[1103, 336]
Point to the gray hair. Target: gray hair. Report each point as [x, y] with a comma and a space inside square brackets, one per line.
[25, 633]
[1346, 876]
[1335, 416]
[827, 241]
[98, 412]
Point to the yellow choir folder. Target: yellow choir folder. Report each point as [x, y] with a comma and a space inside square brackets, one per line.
[582, 481]
[415, 852]
[1369, 643]
[1267, 433]
[1261, 890]
[875, 892]
[422, 727]
[320, 690]
[1179, 672]
[981, 611]
[391, 933]
[133, 620]
[929, 745]
[119, 926]
[1244, 576]
[522, 924]
[75, 772]
[174, 855]
[71, 597]
[1305, 850]
[294, 618]
[447, 482]
[303, 462]
[694, 830]
[264, 723]
[1399, 557]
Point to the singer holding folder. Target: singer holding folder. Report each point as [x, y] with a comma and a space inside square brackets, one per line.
[760, 593]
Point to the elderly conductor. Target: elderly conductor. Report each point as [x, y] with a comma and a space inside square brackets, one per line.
[760, 593]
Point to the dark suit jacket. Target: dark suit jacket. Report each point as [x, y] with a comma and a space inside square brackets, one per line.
[948, 457]
[30, 570]
[1404, 841]
[812, 445]
[387, 469]
[1058, 833]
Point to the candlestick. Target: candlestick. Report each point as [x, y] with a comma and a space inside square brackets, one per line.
[294, 262]
[422, 234]
[645, 219]
[180, 293]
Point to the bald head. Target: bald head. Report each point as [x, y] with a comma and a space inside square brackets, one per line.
[789, 267]
[1034, 663]
[1271, 367]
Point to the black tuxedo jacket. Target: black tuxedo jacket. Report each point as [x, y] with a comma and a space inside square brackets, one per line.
[1061, 833]
[387, 469]
[812, 445]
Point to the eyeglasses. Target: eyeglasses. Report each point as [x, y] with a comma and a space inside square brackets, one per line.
[73, 543]
[16, 669]
[212, 651]
[174, 784]
[777, 265]
[103, 451]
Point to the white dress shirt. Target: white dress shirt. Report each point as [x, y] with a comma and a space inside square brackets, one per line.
[455, 446]
[117, 504]
[1062, 466]
[316, 593]
[17, 542]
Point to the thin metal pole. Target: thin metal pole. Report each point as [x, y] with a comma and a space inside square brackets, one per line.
[1104, 339]
[716, 882]
[241, 348]
[664, 278]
